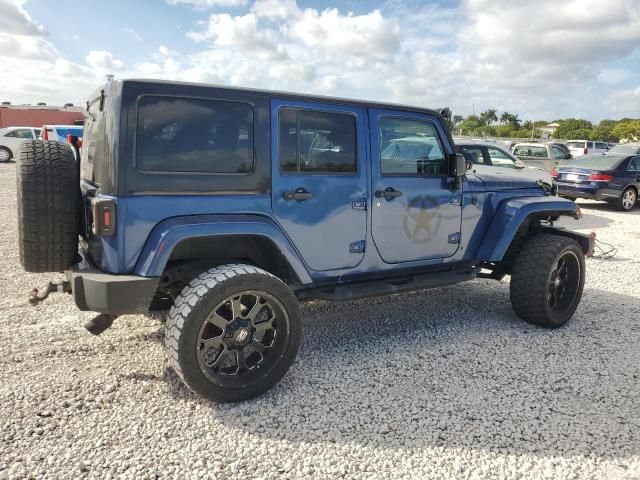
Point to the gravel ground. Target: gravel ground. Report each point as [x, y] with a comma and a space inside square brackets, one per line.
[445, 383]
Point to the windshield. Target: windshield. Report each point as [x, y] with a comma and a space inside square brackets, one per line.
[576, 144]
[599, 162]
[624, 150]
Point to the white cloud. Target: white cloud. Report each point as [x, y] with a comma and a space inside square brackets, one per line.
[613, 75]
[625, 103]
[209, 3]
[548, 58]
[133, 33]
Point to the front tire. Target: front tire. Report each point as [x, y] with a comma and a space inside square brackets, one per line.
[5, 154]
[547, 280]
[233, 333]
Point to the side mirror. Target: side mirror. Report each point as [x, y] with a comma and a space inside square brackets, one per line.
[519, 164]
[458, 165]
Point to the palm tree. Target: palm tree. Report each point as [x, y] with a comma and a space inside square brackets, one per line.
[489, 116]
[506, 117]
[515, 121]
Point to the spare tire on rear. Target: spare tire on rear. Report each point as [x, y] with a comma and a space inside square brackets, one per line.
[48, 206]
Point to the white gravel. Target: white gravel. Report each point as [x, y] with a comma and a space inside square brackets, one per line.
[440, 384]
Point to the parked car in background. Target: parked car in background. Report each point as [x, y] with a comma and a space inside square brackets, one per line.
[563, 147]
[12, 137]
[489, 155]
[625, 149]
[545, 156]
[579, 148]
[59, 132]
[612, 178]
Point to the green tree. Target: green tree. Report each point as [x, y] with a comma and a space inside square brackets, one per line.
[489, 116]
[573, 128]
[470, 125]
[627, 130]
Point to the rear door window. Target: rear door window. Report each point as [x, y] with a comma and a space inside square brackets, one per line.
[21, 133]
[194, 135]
[317, 142]
[472, 153]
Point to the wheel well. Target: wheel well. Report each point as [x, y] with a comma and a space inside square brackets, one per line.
[194, 255]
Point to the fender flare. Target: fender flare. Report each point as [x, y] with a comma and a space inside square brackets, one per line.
[169, 233]
[510, 216]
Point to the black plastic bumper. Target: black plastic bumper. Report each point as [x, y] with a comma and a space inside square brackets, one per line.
[97, 291]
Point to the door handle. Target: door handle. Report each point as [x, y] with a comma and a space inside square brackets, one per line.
[388, 193]
[299, 195]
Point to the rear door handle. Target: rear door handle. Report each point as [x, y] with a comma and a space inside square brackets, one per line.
[299, 195]
[388, 193]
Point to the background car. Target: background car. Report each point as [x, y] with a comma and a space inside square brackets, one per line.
[59, 132]
[579, 148]
[561, 146]
[625, 149]
[484, 154]
[12, 137]
[613, 178]
[545, 156]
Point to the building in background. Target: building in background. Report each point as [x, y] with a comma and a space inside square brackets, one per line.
[38, 115]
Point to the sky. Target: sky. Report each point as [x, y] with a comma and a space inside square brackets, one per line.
[543, 59]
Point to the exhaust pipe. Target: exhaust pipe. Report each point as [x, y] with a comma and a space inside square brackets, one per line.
[100, 323]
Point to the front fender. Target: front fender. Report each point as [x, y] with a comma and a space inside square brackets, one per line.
[511, 214]
[169, 233]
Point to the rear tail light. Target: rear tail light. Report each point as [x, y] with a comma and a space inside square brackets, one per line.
[600, 177]
[586, 150]
[554, 173]
[45, 134]
[104, 217]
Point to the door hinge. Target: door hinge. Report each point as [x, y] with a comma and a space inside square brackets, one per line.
[360, 204]
[357, 247]
[454, 237]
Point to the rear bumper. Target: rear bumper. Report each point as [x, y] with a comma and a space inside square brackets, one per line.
[586, 191]
[97, 291]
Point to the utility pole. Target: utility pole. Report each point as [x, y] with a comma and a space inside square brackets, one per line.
[533, 128]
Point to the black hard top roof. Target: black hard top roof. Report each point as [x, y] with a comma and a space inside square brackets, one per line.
[280, 94]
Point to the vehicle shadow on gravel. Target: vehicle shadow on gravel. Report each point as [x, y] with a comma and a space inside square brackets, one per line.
[456, 368]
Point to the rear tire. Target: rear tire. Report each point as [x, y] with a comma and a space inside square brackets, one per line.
[547, 280]
[233, 333]
[48, 206]
[628, 199]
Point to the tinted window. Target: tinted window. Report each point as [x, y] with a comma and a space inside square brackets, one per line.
[500, 158]
[472, 154]
[312, 141]
[410, 147]
[37, 131]
[530, 151]
[22, 133]
[634, 164]
[193, 135]
[601, 146]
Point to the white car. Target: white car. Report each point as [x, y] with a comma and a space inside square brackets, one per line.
[579, 148]
[12, 137]
[491, 158]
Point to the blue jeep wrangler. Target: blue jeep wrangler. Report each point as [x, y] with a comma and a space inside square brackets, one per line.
[229, 206]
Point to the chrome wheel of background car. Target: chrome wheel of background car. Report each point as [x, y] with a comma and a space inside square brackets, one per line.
[5, 155]
[564, 282]
[244, 333]
[628, 199]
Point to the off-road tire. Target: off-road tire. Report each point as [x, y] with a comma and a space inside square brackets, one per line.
[8, 155]
[531, 276]
[193, 305]
[48, 206]
[621, 201]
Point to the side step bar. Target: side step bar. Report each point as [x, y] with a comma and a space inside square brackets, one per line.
[390, 286]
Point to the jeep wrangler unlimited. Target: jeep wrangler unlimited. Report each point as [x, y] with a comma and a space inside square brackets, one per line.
[231, 205]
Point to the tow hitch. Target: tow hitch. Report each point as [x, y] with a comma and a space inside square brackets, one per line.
[36, 297]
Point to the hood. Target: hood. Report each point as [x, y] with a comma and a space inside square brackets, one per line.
[497, 178]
